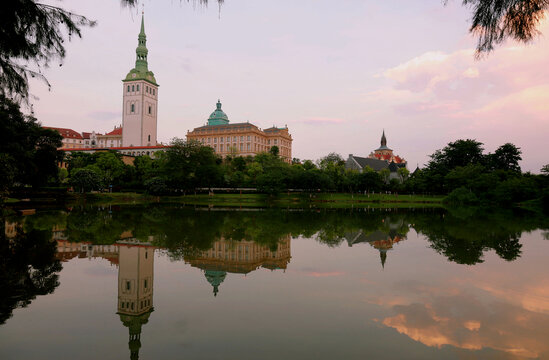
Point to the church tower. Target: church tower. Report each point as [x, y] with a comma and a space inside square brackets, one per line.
[140, 99]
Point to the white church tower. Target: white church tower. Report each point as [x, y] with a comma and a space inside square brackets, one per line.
[140, 104]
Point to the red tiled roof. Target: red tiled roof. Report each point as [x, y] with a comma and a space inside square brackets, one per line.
[86, 135]
[66, 133]
[116, 131]
[119, 148]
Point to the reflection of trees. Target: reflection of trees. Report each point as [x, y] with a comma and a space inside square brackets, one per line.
[464, 239]
[462, 236]
[28, 268]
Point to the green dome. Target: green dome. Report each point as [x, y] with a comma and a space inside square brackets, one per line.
[215, 278]
[218, 117]
[141, 69]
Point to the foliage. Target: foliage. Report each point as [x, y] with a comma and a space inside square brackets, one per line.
[494, 21]
[32, 35]
[461, 196]
[28, 268]
[84, 180]
[28, 152]
[156, 186]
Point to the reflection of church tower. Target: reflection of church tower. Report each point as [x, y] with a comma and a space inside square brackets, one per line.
[135, 291]
[215, 278]
[383, 256]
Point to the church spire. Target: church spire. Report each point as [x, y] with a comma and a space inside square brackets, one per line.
[141, 51]
[383, 139]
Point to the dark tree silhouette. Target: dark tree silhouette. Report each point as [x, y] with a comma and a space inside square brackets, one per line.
[28, 268]
[494, 21]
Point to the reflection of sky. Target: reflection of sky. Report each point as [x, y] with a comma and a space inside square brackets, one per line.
[336, 72]
[330, 303]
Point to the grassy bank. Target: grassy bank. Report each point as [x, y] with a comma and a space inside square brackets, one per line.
[263, 200]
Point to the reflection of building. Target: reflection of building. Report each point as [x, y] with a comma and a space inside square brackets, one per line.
[382, 240]
[135, 290]
[239, 257]
[241, 138]
[10, 229]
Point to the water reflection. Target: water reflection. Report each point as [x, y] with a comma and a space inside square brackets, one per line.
[135, 290]
[28, 266]
[431, 297]
[239, 257]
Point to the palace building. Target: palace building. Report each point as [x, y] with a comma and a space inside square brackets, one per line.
[242, 139]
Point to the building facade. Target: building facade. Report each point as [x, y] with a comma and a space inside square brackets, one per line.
[140, 99]
[241, 139]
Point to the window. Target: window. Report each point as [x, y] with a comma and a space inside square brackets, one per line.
[221, 139]
[248, 146]
[220, 147]
[241, 146]
[215, 147]
[148, 140]
[234, 138]
[154, 92]
[128, 285]
[133, 87]
[228, 138]
[145, 283]
[209, 140]
[276, 141]
[133, 108]
[146, 89]
[128, 88]
[242, 138]
[137, 87]
[215, 140]
[150, 109]
[248, 137]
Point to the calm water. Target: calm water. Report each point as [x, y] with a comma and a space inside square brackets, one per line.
[168, 282]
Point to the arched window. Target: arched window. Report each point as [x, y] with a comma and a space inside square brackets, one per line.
[137, 87]
[128, 88]
[133, 108]
[133, 87]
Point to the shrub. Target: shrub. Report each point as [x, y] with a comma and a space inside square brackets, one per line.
[461, 196]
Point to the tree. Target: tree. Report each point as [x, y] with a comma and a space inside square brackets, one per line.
[331, 158]
[274, 150]
[188, 164]
[496, 20]
[85, 180]
[32, 34]
[506, 157]
[28, 152]
[545, 169]
[403, 174]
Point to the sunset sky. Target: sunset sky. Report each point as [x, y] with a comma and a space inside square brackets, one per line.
[336, 72]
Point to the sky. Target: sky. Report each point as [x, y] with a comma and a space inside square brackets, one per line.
[337, 73]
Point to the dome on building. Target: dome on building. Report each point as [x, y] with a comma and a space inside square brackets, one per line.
[218, 117]
[215, 278]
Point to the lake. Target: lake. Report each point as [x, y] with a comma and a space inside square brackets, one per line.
[173, 282]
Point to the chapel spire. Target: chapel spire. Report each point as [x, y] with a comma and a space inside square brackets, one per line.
[383, 139]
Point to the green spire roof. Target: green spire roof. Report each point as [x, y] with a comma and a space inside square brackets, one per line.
[141, 70]
[218, 117]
